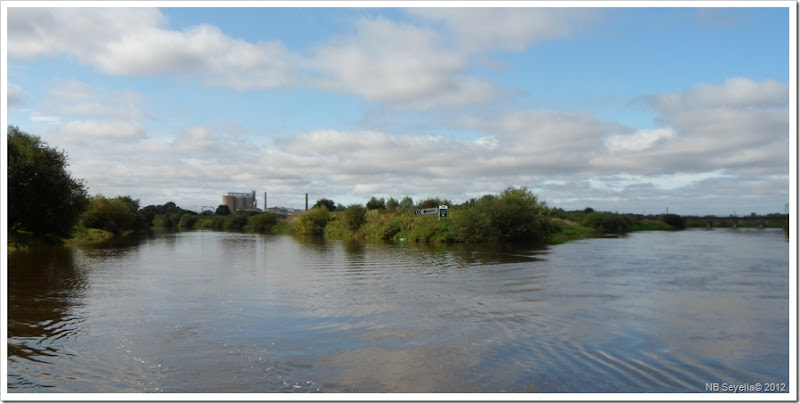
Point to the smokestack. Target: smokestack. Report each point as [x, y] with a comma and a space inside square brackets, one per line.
[306, 200]
[265, 201]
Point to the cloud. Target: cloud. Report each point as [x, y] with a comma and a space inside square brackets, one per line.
[91, 130]
[638, 141]
[135, 41]
[520, 27]
[76, 99]
[39, 117]
[14, 95]
[400, 64]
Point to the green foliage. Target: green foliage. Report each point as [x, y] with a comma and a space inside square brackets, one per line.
[677, 222]
[262, 222]
[431, 203]
[354, 217]
[392, 204]
[42, 196]
[472, 224]
[313, 222]
[406, 203]
[163, 217]
[514, 215]
[375, 203]
[608, 222]
[223, 210]
[117, 215]
[236, 222]
[327, 203]
[188, 221]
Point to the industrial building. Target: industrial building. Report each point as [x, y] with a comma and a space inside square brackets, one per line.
[240, 201]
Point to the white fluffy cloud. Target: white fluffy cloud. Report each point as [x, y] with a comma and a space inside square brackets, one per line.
[401, 64]
[520, 26]
[82, 132]
[135, 41]
[570, 159]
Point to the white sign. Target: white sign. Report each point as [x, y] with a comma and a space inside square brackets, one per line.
[429, 211]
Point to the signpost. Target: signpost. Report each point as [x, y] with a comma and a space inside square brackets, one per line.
[441, 211]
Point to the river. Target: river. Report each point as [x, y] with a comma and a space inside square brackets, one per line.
[230, 312]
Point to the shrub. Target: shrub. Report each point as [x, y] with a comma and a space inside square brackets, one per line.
[313, 222]
[262, 222]
[676, 221]
[114, 215]
[471, 225]
[188, 221]
[354, 217]
[607, 222]
[236, 222]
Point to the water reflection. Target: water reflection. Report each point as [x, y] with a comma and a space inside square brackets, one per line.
[44, 288]
[234, 312]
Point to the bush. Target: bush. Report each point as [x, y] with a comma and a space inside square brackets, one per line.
[517, 215]
[188, 221]
[262, 222]
[354, 217]
[607, 222]
[676, 221]
[471, 225]
[236, 222]
[313, 222]
[116, 215]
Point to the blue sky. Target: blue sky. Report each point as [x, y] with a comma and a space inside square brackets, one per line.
[630, 109]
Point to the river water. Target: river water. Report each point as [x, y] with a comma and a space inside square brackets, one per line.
[230, 312]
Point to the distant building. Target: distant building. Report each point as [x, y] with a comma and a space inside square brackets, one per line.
[280, 210]
[240, 201]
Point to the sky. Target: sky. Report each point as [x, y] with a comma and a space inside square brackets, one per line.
[631, 109]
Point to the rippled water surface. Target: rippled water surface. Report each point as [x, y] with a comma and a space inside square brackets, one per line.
[228, 312]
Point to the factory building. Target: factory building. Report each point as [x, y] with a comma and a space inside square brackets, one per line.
[238, 201]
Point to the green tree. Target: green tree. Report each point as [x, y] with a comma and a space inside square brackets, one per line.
[608, 222]
[676, 221]
[313, 222]
[375, 203]
[327, 203]
[392, 204]
[223, 210]
[116, 215]
[354, 217]
[43, 198]
[406, 203]
[430, 203]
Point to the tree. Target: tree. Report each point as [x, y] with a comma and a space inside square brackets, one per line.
[354, 216]
[406, 203]
[430, 203]
[375, 203]
[313, 222]
[392, 204]
[223, 210]
[42, 196]
[327, 203]
[116, 215]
